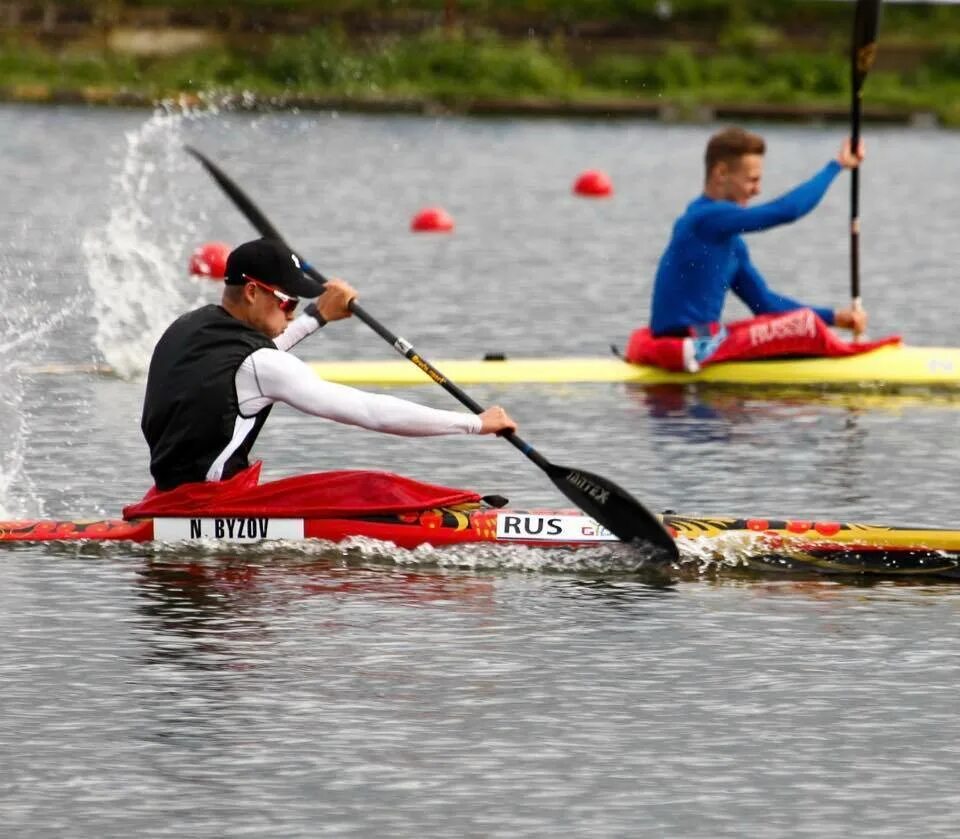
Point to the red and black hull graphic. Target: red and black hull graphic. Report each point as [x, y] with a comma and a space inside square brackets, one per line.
[829, 547]
[45, 530]
[782, 545]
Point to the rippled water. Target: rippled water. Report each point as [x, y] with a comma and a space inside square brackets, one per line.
[364, 691]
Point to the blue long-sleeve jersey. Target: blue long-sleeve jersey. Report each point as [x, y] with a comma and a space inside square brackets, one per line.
[706, 256]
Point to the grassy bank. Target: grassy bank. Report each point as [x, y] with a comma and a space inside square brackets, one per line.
[752, 63]
[665, 16]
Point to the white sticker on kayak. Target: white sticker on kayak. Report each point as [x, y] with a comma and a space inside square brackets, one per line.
[227, 529]
[551, 527]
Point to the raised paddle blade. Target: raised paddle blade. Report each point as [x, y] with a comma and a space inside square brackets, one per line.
[866, 24]
[238, 196]
[613, 507]
[245, 205]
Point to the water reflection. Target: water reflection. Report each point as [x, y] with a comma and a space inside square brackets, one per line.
[685, 411]
[226, 608]
[778, 441]
[710, 401]
[649, 586]
[852, 588]
[704, 415]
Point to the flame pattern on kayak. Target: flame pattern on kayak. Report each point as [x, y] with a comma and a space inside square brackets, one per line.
[45, 530]
[778, 545]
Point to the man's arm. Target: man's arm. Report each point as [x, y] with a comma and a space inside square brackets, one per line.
[749, 285]
[298, 329]
[267, 376]
[724, 218]
[332, 304]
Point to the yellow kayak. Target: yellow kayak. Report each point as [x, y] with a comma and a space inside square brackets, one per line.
[895, 366]
[888, 368]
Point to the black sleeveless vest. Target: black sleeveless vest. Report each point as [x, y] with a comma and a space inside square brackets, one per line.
[190, 408]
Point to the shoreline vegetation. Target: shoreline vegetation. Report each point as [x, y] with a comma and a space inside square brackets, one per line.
[679, 60]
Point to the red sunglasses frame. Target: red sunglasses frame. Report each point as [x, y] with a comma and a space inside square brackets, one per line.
[286, 302]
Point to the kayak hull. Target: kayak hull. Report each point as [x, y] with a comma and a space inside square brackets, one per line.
[100, 530]
[894, 366]
[783, 546]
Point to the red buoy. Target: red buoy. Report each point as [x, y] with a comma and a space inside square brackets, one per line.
[210, 260]
[593, 184]
[432, 220]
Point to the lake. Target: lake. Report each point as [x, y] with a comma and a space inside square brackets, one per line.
[361, 691]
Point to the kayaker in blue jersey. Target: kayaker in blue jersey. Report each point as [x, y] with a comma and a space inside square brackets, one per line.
[707, 256]
[217, 371]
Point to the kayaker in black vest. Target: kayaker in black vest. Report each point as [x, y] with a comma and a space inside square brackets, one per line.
[217, 371]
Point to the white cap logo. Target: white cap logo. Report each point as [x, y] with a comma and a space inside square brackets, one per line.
[296, 261]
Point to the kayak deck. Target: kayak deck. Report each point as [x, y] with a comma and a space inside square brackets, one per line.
[781, 546]
[890, 366]
[887, 368]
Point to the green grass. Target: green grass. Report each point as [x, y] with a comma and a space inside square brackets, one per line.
[455, 66]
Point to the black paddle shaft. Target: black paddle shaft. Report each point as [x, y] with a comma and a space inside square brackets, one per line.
[866, 23]
[612, 506]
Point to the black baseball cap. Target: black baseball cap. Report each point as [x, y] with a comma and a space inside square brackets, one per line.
[273, 263]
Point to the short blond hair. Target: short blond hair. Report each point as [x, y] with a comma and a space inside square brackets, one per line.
[730, 144]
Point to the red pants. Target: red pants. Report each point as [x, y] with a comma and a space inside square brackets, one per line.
[797, 333]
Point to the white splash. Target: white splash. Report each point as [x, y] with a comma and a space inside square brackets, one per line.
[138, 285]
[16, 430]
[23, 328]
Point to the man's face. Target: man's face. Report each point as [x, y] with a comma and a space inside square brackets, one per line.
[740, 179]
[266, 316]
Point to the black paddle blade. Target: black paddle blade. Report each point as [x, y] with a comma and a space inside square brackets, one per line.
[238, 196]
[613, 507]
[245, 205]
[866, 23]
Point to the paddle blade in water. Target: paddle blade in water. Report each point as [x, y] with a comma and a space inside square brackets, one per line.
[613, 507]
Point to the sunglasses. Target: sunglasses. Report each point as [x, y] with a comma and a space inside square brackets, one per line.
[286, 303]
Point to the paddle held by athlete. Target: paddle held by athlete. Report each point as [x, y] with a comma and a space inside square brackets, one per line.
[707, 256]
[217, 371]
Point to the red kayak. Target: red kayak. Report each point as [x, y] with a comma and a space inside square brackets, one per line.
[337, 506]
[332, 506]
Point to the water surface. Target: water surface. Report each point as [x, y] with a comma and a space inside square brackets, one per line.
[367, 691]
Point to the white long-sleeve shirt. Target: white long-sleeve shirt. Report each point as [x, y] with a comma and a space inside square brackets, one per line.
[267, 376]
